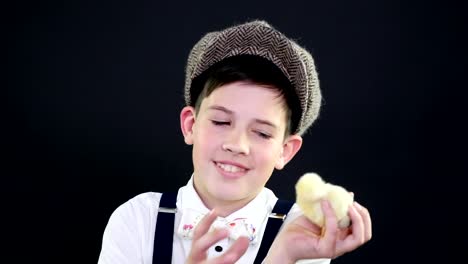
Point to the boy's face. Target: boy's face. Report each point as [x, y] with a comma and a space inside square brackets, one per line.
[238, 139]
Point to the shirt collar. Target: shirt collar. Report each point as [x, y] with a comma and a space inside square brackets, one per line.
[256, 210]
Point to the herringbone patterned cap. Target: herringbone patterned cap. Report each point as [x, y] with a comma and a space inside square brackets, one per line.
[261, 39]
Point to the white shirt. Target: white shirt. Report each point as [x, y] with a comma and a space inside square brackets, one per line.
[129, 234]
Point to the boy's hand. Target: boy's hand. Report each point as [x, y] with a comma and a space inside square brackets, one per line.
[203, 239]
[301, 239]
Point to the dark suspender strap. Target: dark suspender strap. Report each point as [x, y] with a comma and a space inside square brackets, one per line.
[274, 223]
[163, 237]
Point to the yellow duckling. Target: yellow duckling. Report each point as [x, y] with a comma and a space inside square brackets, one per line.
[311, 189]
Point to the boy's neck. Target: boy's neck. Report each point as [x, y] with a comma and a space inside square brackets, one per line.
[223, 208]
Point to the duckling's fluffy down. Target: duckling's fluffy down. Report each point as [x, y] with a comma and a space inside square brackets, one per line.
[311, 189]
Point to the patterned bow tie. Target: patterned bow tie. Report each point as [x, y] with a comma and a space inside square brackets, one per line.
[237, 227]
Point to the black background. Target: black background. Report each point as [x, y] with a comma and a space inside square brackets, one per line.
[94, 90]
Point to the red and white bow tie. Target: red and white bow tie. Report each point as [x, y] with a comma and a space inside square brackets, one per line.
[237, 227]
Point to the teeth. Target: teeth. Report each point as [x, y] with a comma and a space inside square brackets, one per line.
[230, 168]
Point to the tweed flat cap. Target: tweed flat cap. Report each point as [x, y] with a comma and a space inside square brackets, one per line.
[260, 39]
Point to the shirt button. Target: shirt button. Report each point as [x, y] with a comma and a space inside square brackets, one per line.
[218, 248]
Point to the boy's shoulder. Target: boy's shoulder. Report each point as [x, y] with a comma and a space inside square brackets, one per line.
[139, 204]
[146, 199]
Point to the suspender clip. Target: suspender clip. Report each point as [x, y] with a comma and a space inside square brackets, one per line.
[278, 216]
[167, 210]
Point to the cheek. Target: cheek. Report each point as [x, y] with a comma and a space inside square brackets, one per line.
[205, 141]
[269, 154]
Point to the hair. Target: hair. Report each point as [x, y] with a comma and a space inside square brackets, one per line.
[252, 69]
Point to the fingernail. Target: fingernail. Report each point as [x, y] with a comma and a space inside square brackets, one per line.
[326, 203]
[358, 205]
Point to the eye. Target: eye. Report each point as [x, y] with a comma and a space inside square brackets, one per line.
[220, 123]
[263, 134]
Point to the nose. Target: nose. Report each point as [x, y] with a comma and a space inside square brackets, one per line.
[236, 142]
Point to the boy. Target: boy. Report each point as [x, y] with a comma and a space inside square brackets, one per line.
[250, 93]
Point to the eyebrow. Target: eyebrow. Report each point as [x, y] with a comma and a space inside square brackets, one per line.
[265, 122]
[257, 120]
[220, 108]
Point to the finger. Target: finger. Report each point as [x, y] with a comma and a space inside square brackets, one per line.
[331, 229]
[343, 233]
[307, 226]
[205, 224]
[357, 232]
[201, 245]
[234, 253]
[357, 228]
[367, 221]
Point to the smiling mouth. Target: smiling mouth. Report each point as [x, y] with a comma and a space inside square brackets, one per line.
[230, 168]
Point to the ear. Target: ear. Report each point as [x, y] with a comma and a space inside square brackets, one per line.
[291, 146]
[187, 121]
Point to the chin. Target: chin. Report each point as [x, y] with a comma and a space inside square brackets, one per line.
[228, 194]
[233, 193]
